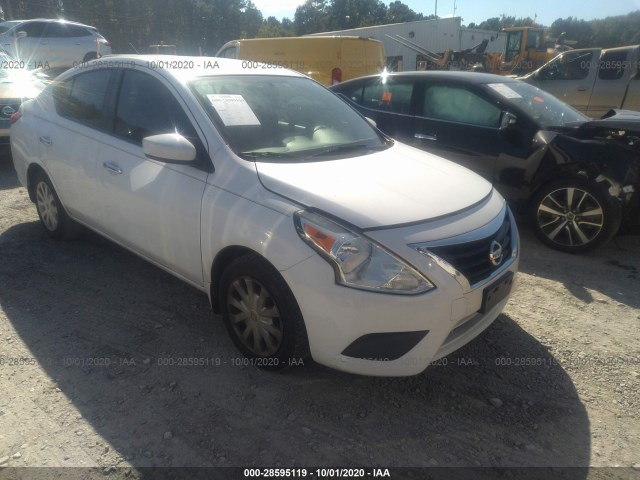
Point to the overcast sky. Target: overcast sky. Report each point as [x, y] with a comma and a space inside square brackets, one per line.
[478, 10]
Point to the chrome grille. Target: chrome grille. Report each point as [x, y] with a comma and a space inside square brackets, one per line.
[472, 258]
[13, 103]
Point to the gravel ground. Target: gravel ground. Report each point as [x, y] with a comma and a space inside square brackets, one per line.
[97, 353]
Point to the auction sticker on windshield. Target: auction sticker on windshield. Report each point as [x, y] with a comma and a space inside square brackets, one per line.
[504, 90]
[234, 110]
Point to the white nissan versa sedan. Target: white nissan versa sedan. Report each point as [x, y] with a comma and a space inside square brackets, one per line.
[310, 231]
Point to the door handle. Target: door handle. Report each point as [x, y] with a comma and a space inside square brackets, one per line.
[423, 136]
[46, 140]
[583, 89]
[112, 167]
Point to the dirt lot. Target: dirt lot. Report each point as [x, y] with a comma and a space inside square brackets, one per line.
[95, 347]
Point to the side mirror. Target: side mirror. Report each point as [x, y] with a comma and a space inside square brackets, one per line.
[508, 121]
[21, 34]
[169, 147]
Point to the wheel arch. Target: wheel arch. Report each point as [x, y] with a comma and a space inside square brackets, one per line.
[221, 261]
[570, 158]
[32, 172]
[90, 56]
[554, 168]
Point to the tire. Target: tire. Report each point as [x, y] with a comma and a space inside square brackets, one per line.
[89, 56]
[261, 314]
[574, 215]
[52, 214]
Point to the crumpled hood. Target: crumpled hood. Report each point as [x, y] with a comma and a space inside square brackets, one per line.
[396, 186]
[616, 119]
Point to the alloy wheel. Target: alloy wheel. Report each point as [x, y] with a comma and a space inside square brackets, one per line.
[570, 217]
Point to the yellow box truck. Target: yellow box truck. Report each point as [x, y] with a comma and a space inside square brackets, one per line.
[328, 60]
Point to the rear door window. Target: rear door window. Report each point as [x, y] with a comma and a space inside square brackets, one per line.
[612, 65]
[33, 29]
[457, 104]
[63, 30]
[83, 97]
[55, 30]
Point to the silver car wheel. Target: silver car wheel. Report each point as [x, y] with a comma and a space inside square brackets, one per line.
[254, 316]
[47, 206]
[570, 216]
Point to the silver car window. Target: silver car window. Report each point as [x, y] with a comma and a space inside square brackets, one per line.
[146, 107]
[82, 98]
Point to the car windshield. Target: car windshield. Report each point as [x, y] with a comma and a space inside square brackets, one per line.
[284, 119]
[542, 106]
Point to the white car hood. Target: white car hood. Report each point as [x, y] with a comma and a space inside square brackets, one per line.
[396, 186]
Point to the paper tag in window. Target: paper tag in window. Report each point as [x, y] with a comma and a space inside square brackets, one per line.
[233, 110]
[504, 90]
[386, 97]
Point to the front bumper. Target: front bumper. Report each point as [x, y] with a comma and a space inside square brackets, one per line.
[440, 321]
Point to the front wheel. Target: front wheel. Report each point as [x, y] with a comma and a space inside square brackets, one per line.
[574, 216]
[261, 314]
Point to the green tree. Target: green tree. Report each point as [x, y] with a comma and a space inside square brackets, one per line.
[250, 21]
[498, 23]
[577, 30]
[398, 12]
[615, 31]
[272, 27]
[344, 14]
[311, 17]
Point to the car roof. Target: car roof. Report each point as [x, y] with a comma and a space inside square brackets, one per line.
[182, 68]
[460, 76]
[48, 20]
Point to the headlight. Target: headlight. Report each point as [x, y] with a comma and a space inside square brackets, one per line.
[358, 261]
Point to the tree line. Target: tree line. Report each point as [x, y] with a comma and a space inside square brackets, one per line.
[196, 26]
[607, 32]
[203, 26]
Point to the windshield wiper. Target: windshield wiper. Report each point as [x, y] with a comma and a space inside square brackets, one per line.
[263, 154]
[349, 146]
